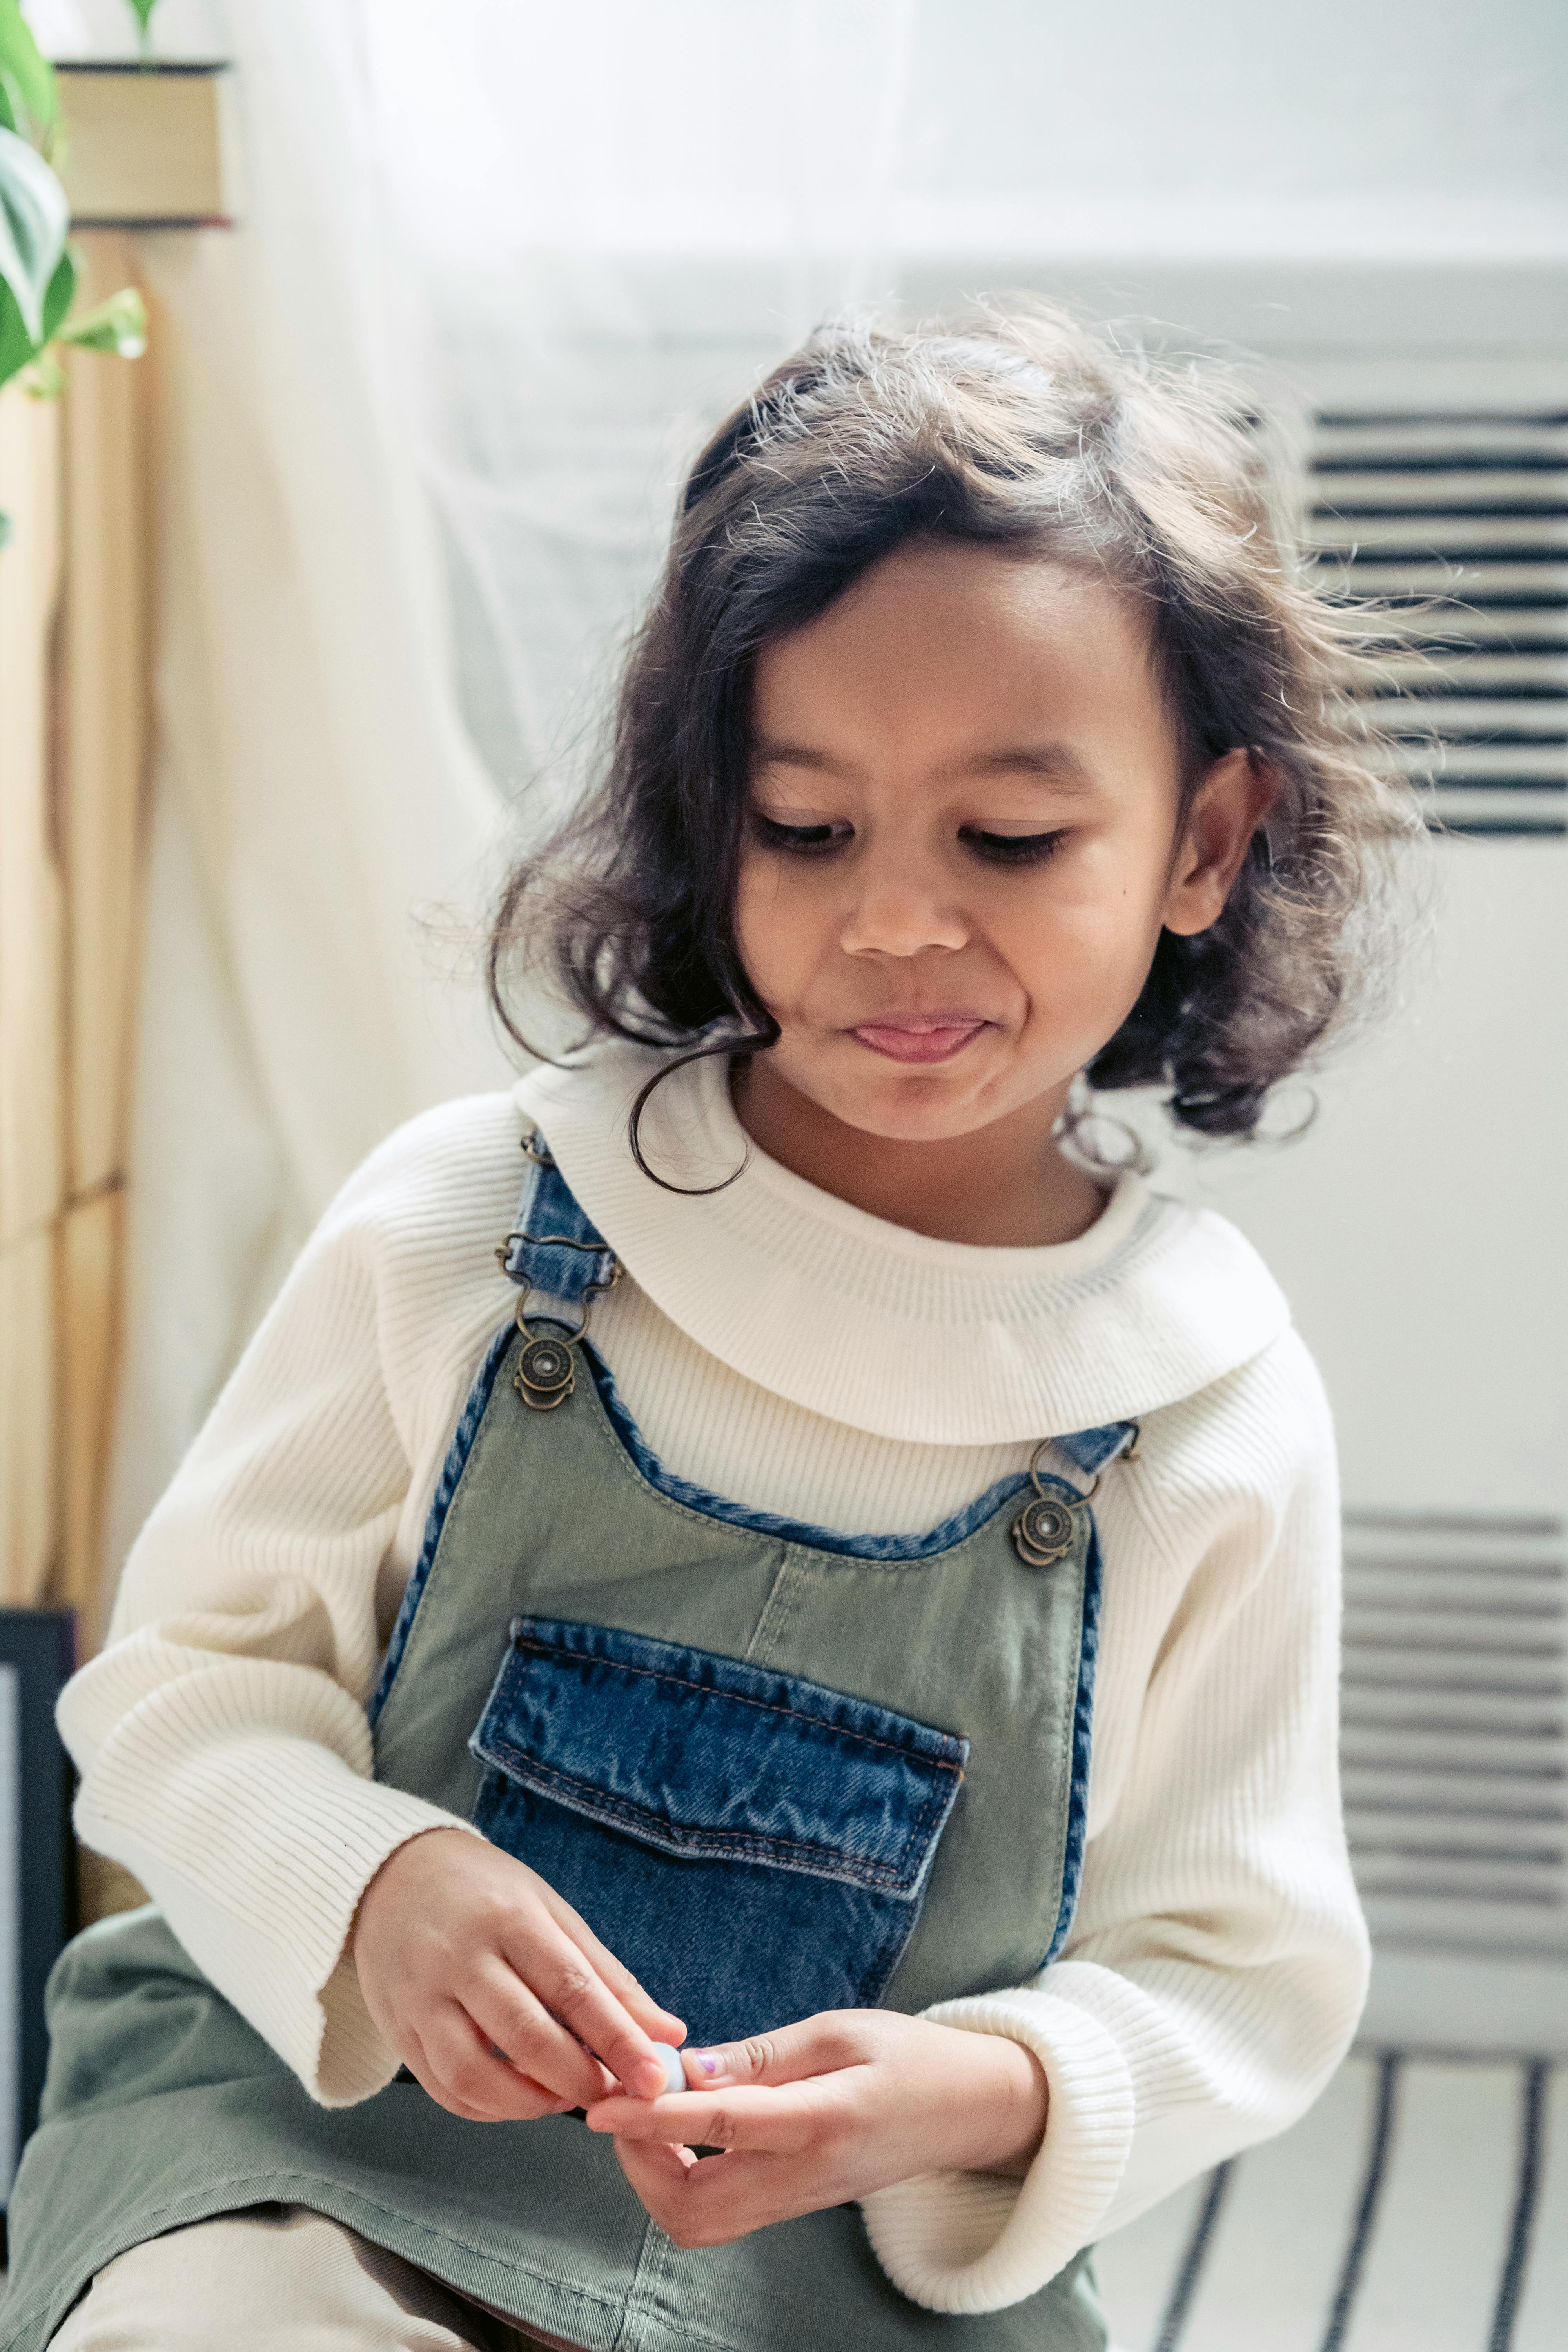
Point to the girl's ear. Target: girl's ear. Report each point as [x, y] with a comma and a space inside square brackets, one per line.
[1227, 810]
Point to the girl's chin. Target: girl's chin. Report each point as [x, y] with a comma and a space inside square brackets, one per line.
[906, 1103]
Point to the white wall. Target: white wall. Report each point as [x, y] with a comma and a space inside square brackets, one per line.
[1350, 127]
[1434, 120]
[1417, 1228]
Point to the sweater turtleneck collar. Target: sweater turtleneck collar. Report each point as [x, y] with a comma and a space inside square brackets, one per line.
[943, 1343]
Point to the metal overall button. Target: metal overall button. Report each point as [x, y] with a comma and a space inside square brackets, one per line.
[1046, 1527]
[546, 1374]
[1043, 1531]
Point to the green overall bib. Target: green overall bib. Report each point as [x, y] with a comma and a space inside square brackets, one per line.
[778, 1770]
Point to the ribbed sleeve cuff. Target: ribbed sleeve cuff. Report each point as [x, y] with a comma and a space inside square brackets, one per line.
[351, 2061]
[973, 2241]
[267, 1916]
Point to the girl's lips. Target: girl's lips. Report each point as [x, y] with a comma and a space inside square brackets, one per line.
[920, 1037]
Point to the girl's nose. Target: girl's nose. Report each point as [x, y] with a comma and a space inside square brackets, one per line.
[901, 908]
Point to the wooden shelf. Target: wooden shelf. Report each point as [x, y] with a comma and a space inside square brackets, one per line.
[148, 146]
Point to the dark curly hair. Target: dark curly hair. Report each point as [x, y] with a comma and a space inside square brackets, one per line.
[1019, 429]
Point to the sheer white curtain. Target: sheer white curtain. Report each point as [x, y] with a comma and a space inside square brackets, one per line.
[615, 216]
[321, 822]
[500, 267]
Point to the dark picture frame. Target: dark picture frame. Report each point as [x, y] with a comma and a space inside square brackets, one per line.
[39, 1646]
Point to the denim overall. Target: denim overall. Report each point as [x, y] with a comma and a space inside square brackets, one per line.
[777, 1769]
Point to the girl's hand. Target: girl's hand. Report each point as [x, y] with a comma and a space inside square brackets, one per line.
[488, 1986]
[821, 2113]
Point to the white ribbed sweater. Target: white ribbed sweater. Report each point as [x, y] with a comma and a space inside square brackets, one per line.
[776, 1345]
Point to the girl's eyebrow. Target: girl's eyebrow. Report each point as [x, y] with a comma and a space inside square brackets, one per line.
[1057, 763]
[1054, 763]
[768, 754]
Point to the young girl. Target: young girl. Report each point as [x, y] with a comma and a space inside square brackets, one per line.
[851, 1594]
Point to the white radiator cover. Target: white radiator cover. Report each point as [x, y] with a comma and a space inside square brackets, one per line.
[1456, 1775]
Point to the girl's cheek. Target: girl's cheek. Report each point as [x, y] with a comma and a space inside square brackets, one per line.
[781, 938]
[756, 928]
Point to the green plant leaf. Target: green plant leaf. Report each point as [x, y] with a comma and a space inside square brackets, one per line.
[143, 12]
[16, 345]
[22, 338]
[59, 297]
[17, 349]
[118, 325]
[27, 78]
[34, 217]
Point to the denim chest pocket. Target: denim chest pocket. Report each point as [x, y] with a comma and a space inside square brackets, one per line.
[753, 1847]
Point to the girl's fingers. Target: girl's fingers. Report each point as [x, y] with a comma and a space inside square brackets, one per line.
[709, 2200]
[509, 2015]
[661, 2023]
[559, 1973]
[785, 2121]
[460, 2071]
[417, 2060]
[657, 2171]
[816, 2045]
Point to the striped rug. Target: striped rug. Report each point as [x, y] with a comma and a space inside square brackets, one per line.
[1421, 2207]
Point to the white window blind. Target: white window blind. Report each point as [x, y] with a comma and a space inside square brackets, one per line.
[1457, 520]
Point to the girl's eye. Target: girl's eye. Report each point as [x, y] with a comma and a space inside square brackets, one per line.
[1013, 848]
[800, 840]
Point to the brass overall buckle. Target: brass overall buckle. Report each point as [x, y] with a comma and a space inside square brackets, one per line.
[546, 1370]
[1046, 1527]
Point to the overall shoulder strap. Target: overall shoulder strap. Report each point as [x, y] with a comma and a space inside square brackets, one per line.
[1093, 1449]
[554, 1251]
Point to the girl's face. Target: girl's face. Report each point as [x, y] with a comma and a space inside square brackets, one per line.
[962, 839]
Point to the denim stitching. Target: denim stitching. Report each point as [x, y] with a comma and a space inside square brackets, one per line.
[738, 1846]
[770, 1706]
[1077, 1837]
[933, 1806]
[608, 1433]
[452, 1470]
[701, 1503]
